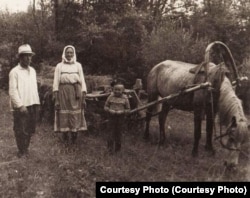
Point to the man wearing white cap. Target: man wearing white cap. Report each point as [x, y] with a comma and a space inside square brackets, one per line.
[24, 99]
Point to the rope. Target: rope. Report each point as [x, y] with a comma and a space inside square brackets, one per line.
[213, 114]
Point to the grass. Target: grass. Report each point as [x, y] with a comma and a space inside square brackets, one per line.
[55, 170]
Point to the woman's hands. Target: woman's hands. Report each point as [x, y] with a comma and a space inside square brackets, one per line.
[57, 103]
[84, 104]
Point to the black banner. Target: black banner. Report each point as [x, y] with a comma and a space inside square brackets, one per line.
[172, 189]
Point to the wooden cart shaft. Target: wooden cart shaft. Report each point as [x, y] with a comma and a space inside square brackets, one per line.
[162, 100]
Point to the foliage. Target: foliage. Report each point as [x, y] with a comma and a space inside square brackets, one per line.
[125, 37]
[175, 44]
[226, 21]
[114, 48]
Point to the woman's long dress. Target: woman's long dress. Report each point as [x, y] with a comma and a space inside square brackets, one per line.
[69, 82]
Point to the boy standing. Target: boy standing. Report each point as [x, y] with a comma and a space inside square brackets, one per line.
[117, 105]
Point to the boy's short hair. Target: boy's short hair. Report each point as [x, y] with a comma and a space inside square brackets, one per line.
[119, 84]
[117, 81]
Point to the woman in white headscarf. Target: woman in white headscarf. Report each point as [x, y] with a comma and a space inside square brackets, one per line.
[69, 89]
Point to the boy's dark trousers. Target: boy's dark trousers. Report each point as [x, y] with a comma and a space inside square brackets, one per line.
[115, 129]
[24, 127]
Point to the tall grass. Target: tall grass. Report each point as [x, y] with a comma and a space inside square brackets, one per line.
[55, 169]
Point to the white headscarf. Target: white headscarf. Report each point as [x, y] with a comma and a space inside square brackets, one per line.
[73, 60]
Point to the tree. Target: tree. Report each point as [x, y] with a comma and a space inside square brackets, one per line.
[225, 21]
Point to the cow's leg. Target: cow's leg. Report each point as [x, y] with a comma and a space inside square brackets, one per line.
[198, 113]
[199, 99]
[162, 120]
[149, 115]
[209, 128]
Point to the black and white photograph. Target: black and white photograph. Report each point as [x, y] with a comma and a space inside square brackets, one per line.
[99, 96]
